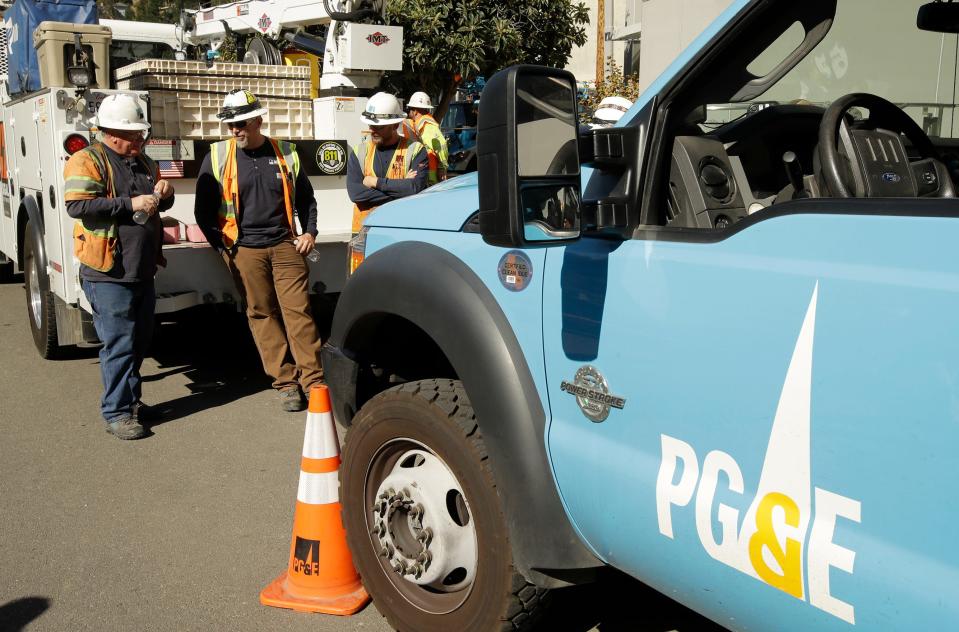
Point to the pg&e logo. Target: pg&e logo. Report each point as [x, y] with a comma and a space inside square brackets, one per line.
[785, 537]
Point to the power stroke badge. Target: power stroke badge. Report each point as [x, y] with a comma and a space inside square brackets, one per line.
[592, 394]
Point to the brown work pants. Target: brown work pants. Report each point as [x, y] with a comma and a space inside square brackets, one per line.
[274, 284]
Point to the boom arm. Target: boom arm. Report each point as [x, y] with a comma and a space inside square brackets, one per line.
[257, 17]
[355, 56]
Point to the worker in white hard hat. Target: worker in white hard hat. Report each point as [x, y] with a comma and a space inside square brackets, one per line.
[115, 193]
[386, 166]
[250, 192]
[423, 127]
[609, 111]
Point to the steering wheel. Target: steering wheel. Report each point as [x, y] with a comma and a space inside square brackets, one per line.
[870, 157]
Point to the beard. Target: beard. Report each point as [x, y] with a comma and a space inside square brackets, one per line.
[242, 142]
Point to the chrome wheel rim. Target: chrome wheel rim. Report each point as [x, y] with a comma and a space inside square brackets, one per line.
[34, 285]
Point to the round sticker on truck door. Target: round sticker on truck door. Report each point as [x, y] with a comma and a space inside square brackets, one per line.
[331, 158]
[515, 270]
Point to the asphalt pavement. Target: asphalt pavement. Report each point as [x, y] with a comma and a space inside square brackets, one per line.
[181, 530]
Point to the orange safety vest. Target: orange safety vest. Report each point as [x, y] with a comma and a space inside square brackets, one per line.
[223, 162]
[399, 167]
[88, 175]
[415, 131]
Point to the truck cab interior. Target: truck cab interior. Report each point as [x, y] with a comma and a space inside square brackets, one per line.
[807, 100]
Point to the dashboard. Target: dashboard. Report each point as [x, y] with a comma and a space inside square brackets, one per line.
[718, 178]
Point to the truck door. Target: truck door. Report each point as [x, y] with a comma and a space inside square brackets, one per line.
[8, 222]
[756, 426]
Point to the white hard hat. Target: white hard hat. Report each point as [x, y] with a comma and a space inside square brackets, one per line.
[121, 111]
[240, 105]
[420, 100]
[383, 109]
[611, 109]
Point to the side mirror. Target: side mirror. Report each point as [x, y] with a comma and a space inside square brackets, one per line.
[938, 17]
[528, 158]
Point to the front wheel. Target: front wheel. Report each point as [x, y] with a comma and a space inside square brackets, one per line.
[424, 521]
[41, 310]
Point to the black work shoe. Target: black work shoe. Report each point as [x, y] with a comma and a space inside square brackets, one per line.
[292, 401]
[126, 429]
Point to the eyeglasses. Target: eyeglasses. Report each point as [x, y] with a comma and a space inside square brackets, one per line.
[129, 135]
[237, 124]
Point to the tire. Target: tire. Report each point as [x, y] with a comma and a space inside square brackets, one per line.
[41, 310]
[421, 441]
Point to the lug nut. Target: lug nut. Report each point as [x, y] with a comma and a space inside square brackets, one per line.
[425, 558]
[425, 536]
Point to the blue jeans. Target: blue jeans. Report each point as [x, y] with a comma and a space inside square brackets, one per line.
[123, 317]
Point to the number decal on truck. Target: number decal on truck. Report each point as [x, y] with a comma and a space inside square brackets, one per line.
[769, 542]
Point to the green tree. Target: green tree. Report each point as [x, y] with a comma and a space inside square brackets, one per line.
[167, 11]
[613, 84]
[447, 41]
[107, 9]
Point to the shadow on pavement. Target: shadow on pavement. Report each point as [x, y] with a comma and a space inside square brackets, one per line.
[214, 350]
[619, 603]
[17, 614]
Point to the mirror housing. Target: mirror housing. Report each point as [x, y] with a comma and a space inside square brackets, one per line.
[528, 158]
[939, 17]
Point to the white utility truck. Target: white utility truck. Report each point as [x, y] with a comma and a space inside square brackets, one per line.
[317, 109]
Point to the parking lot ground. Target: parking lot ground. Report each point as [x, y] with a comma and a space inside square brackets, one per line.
[181, 530]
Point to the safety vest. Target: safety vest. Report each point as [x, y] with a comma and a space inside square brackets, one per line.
[223, 162]
[400, 165]
[431, 136]
[427, 136]
[89, 175]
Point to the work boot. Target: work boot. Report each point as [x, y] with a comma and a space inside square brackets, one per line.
[291, 400]
[126, 428]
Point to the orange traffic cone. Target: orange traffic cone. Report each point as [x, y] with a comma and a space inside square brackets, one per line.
[321, 577]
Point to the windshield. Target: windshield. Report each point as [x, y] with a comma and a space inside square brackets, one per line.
[873, 46]
[125, 53]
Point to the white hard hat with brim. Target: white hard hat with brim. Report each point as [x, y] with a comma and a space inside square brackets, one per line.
[234, 116]
[612, 108]
[420, 101]
[383, 109]
[121, 112]
[240, 105]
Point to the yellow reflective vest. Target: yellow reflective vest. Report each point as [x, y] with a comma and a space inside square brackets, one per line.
[223, 164]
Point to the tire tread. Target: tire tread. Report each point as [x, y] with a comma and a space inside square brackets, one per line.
[526, 602]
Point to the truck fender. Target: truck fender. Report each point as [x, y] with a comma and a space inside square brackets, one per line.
[437, 292]
[29, 206]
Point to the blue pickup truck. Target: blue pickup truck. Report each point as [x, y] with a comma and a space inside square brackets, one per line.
[715, 347]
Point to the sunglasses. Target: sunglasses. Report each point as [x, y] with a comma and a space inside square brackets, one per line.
[130, 135]
[237, 124]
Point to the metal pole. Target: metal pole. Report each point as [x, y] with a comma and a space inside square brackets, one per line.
[600, 40]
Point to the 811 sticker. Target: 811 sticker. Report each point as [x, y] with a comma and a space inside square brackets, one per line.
[331, 158]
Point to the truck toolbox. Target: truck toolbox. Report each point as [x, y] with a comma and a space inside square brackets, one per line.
[54, 42]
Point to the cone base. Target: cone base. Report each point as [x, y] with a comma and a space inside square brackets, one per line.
[350, 599]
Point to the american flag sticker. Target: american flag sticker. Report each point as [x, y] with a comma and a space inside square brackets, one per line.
[170, 168]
